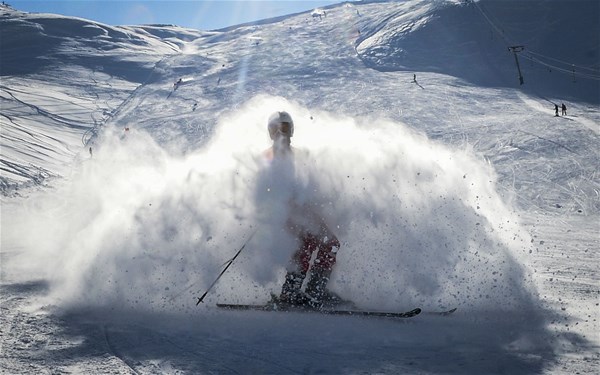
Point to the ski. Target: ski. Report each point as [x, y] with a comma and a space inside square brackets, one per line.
[327, 311]
[440, 313]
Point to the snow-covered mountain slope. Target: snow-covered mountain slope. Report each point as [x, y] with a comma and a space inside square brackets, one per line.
[62, 78]
[559, 56]
[448, 183]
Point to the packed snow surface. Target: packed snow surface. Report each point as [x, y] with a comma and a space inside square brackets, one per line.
[132, 172]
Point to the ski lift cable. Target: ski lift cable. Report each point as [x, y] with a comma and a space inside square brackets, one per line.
[563, 70]
[564, 62]
[559, 69]
[569, 70]
[496, 28]
[531, 58]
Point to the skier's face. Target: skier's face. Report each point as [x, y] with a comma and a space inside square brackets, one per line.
[282, 133]
[284, 130]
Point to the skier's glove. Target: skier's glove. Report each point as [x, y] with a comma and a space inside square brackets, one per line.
[331, 241]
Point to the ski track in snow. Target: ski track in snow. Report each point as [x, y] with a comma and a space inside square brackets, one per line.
[355, 61]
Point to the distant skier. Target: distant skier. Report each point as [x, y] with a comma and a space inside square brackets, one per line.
[555, 110]
[415, 81]
[564, 109]
[176, 84]
[304, 224]
[91, 153]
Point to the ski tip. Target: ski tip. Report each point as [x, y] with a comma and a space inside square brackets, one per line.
[448, 312]
[441, 313]
[413, 312]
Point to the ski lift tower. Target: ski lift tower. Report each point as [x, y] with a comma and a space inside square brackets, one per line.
[514, 50]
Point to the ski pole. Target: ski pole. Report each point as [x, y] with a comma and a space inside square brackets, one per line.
[200, 299]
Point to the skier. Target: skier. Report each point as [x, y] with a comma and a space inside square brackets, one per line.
[176, 84]
[555, 110]
[306, 226]
[564, 109]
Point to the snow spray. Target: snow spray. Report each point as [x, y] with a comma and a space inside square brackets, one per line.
[421, 224]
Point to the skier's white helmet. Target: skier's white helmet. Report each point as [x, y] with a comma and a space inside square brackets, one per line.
[281, 123]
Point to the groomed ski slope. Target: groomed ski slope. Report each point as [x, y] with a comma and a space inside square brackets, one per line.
[460, 189]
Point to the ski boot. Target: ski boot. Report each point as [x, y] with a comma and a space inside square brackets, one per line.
[291, 295]
[317, 289]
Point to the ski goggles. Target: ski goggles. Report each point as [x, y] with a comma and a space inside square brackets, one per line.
[285, 128]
